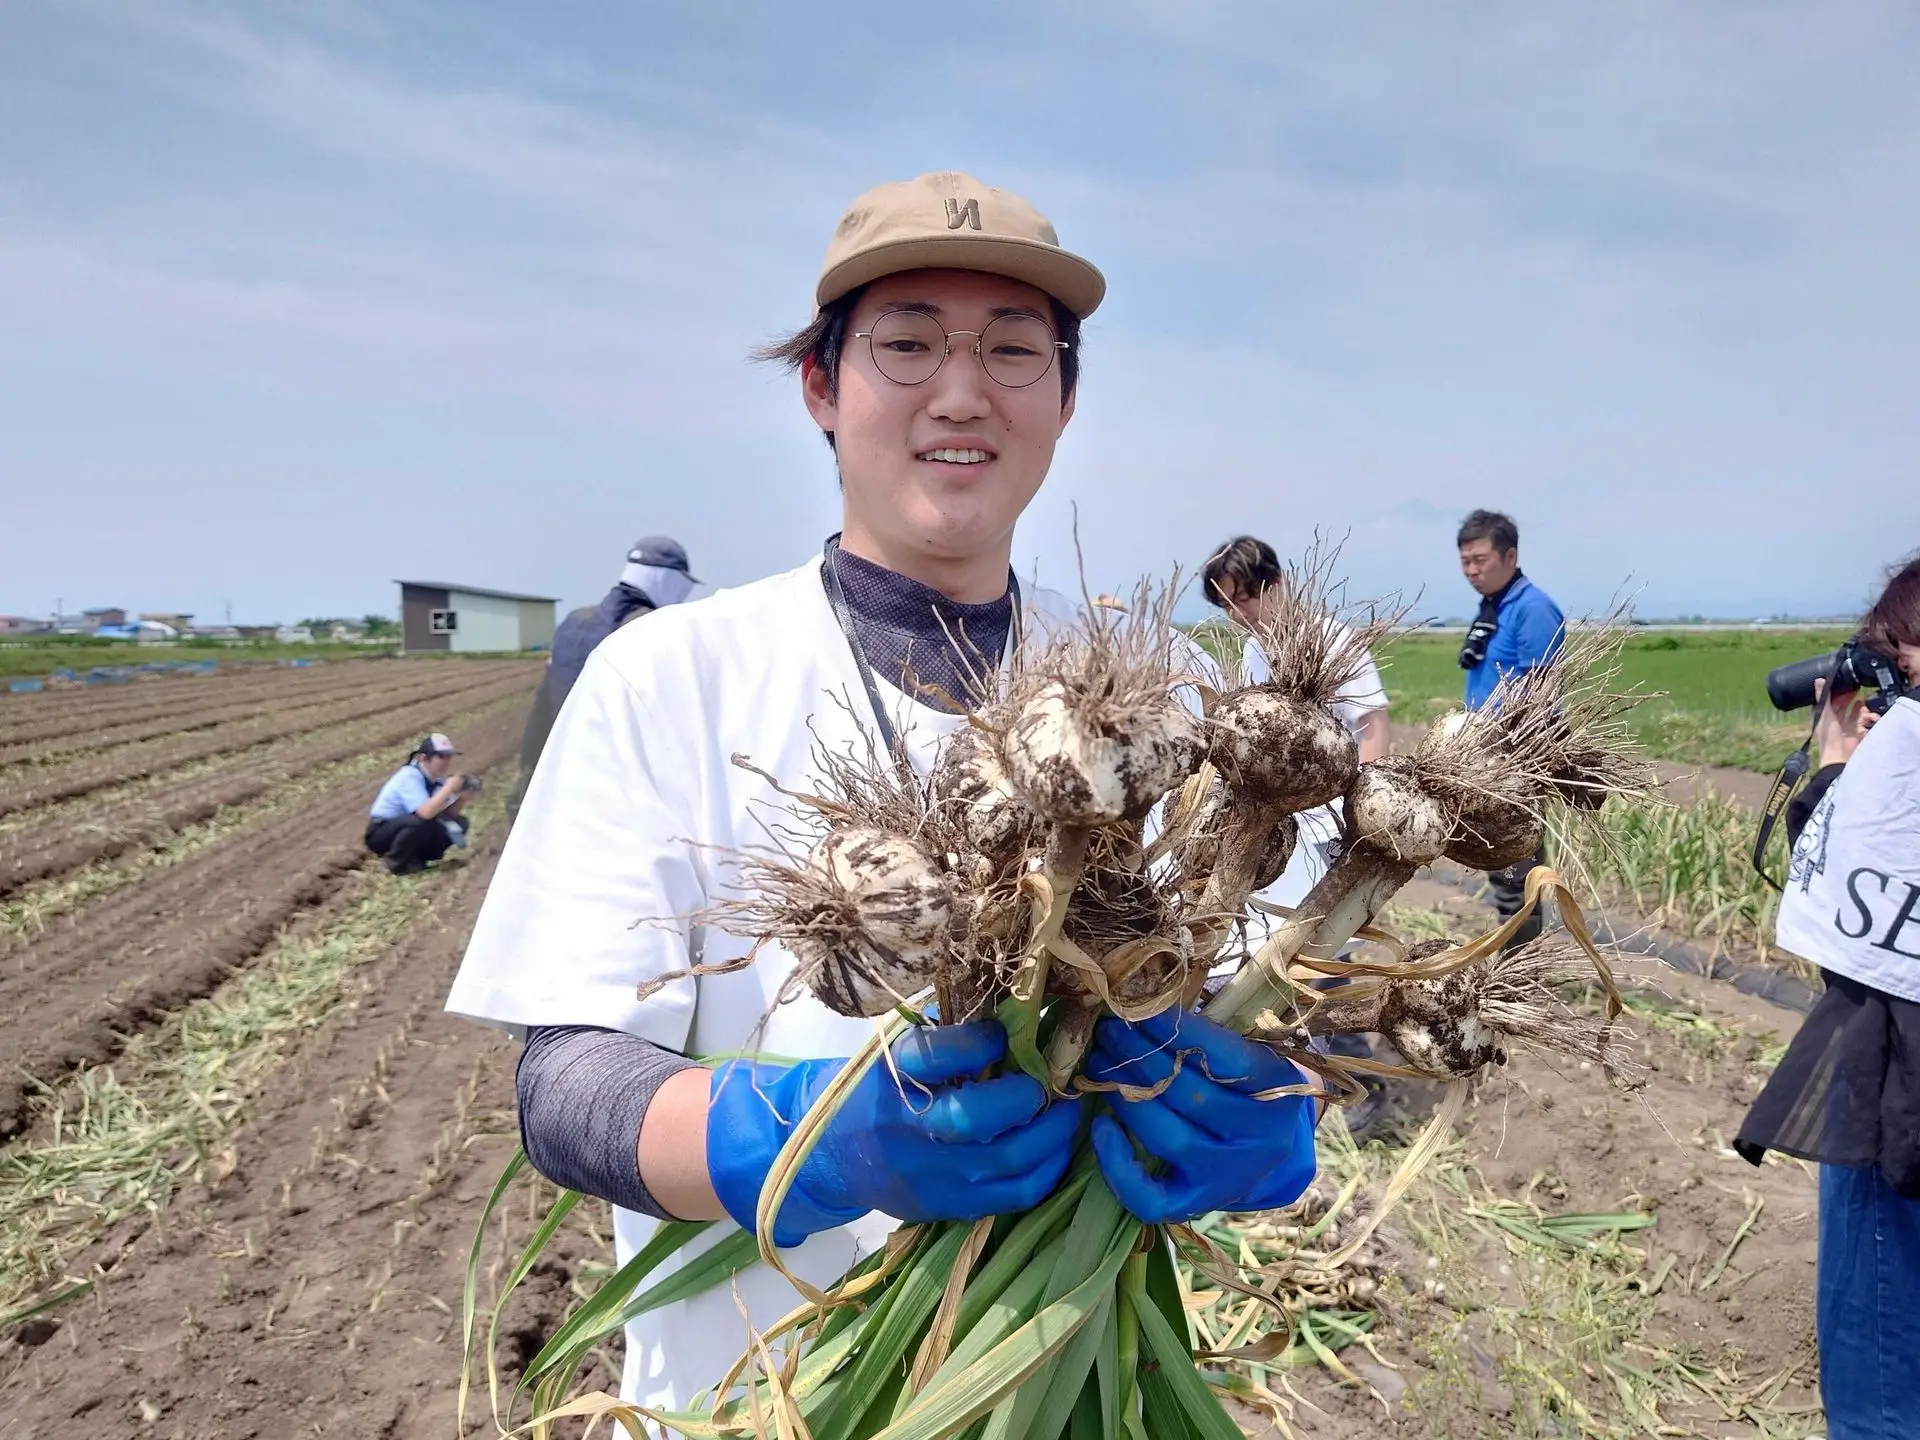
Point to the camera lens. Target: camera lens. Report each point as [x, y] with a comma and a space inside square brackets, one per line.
[1791, 687]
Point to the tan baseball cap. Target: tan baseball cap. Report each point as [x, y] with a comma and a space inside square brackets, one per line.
[950, 221]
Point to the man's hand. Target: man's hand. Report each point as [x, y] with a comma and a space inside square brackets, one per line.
[1220, 1148]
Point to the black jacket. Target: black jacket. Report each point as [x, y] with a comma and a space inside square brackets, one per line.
[573, 642]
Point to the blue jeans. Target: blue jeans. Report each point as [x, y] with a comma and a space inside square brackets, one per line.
[1868, 1306]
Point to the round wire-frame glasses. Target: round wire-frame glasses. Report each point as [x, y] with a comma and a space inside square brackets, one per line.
[910, 346]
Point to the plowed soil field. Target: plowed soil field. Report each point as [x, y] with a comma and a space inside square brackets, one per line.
[242, 1151]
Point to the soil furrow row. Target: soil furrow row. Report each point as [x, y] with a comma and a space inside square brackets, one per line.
[57, 845]
[165, 754]
[60, 712]
[218, 710]
[320, 1277]
[80, 990]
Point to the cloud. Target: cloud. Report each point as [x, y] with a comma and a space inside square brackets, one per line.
[1638, 273]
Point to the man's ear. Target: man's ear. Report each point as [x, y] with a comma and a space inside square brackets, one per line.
[818, 392]
[1066, 406]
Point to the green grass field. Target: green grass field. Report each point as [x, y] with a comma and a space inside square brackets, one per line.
[1712, 707]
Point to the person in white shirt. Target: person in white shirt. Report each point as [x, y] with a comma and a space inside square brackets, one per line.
[941, 367]
[1243, 577]
[1847, 1091]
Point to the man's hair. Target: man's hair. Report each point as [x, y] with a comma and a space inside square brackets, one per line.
[825, 341]
[1894, 619]
[1242, 566]
[1491, 526]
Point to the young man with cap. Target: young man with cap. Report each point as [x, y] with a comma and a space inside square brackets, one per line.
[657, 574]
[1517, 628]
[941, 366]
[416, 816]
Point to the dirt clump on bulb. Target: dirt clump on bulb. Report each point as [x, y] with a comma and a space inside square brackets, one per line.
[882, 917]
[1391, 810]
[1086, 764]
[1283, 753]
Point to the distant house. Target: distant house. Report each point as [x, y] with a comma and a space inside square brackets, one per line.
[439, 616]
[293, 635]
[257, 632]
[217, 632]
[110, 615]
[180, 624]
[20, 625]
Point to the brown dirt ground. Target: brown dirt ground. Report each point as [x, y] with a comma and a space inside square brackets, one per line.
[1545, 1132]
[259, 696]
[321, 1280]
[60, 711]
[144, 758]
[72, 996]
[316, 1289]
[33, 851]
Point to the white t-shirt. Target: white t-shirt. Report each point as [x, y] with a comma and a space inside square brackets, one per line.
[629, 821]
[1852, 903]
[1319, 827]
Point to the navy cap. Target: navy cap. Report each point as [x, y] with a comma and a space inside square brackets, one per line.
[663, 552]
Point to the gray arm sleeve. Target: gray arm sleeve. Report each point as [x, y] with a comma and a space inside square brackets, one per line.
[583, 1092]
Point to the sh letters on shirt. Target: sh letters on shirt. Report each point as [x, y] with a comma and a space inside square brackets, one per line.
[1883, 911]
[1866, 895]
[1876, 907]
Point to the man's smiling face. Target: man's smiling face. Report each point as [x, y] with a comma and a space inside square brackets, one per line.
[944, 468]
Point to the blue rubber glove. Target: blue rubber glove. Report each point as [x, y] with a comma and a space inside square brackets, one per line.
[1221, 1149]
[945, 1148]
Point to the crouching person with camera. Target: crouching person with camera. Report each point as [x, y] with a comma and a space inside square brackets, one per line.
[416, 817]
[1847, 1092]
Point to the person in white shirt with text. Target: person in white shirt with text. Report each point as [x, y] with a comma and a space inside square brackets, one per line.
[1847, 1092]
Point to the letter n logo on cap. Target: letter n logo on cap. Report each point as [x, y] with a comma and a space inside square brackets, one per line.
[967, 214]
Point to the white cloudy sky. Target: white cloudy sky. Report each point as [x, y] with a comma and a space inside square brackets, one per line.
[296, 298]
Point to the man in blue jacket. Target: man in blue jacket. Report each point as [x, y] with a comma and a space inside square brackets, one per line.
[657, 574]
[1517, 628]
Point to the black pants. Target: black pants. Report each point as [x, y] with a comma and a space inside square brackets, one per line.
[1509, 888]
[407, 843]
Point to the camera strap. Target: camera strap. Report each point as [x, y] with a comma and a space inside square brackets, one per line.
[1792, 772]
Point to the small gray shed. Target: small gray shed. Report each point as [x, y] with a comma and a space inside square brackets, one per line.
[435, 615]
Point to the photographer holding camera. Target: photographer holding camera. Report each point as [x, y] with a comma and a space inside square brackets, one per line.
[416, 816]
[1847, 1092]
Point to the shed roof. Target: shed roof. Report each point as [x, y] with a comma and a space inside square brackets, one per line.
[478, 590]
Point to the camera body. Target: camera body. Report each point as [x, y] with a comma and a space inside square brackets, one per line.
[470, 785]
[1856, 665]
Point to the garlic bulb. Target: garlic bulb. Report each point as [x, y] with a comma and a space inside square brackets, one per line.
[1074, 769]
[1436, 1026]
[901, 905]
[971, 782]
[1281, 752]
[1389, 809]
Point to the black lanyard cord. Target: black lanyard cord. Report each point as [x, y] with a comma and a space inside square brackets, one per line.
[1781, 792]
[837, 599]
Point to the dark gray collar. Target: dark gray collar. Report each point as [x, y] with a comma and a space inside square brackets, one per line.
[915, 637]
